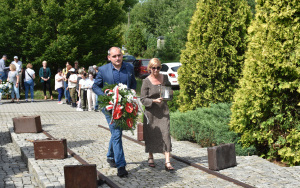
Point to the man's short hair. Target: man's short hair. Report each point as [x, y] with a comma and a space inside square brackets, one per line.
[4, 56]
[113, 47]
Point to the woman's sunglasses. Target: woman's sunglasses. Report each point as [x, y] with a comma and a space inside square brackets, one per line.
[153, 68]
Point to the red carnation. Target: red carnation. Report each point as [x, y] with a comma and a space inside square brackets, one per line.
[129, 122]
[129, 107]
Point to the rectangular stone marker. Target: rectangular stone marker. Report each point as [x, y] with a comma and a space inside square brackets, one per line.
[27, 124]
[221, 157]
[140, 132]
[80, 176]
[50, 149]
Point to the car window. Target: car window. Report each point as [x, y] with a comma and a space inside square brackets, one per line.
[145, 62]
[129, 58]
[175, 68]
[164, 68]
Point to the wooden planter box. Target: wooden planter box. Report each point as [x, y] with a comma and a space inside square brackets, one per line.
[221, 157]
[80, 176]
[50, 149]
[140, 132]
[27, 124]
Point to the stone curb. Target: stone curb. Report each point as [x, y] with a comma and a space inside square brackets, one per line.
[47, 173]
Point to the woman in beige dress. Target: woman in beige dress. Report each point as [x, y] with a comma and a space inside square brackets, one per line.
[157, 131]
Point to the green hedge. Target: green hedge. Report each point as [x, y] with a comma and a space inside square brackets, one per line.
[214, 55]
[173, 104]
[207, 126]
[265, 108]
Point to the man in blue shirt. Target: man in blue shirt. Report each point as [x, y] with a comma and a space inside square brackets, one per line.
[115, 72]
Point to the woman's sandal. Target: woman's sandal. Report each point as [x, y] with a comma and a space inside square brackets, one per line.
[169, 168]
[151, 164]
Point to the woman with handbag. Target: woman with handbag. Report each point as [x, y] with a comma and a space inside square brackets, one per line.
[29, 81]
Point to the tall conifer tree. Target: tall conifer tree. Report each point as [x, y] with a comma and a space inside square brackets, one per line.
[265, 109]
[214, 54]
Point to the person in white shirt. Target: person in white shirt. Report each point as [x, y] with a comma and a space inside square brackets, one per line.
[59, 85]
[82, 92]
[29, 81]
[91, 96]
[17, 63]
[72, 82]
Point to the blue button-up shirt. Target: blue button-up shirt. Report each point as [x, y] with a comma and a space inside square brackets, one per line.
[120, 76]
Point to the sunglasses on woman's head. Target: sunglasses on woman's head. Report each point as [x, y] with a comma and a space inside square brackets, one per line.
[153, 68]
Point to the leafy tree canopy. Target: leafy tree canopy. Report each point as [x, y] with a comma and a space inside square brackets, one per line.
[61, 30]
[169, 18]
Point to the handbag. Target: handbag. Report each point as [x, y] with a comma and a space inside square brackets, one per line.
[30, 77]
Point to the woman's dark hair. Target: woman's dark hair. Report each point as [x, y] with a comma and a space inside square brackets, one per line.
[58, 70]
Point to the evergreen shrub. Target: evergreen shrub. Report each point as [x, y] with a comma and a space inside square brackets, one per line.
[214, 54]
[207, 126]
[173, 104]
[266, 106]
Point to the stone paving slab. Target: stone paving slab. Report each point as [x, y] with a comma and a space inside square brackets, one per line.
[91, 142]
[49, 173]
[13, 170]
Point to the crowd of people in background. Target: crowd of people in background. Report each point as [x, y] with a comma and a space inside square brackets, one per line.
[14, 76]
[76, 85]
[73, 83]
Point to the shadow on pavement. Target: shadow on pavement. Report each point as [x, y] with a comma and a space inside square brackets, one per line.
[148, 176]
[79, 143]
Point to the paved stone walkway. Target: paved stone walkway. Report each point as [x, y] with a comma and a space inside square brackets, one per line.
[13, 170]
[89, 141]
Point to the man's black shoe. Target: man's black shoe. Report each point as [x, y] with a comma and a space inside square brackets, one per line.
[111, 162]
[122, 172]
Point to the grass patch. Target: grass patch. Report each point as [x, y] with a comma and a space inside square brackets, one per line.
[39, 94]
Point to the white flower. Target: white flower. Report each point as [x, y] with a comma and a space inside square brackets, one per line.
[133, 92]
[129, 98]
[122, 86]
